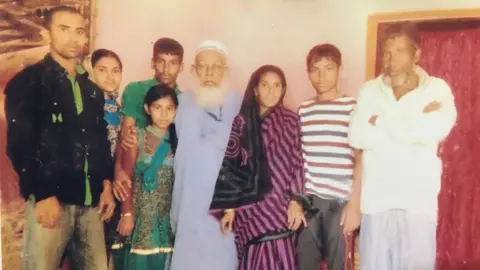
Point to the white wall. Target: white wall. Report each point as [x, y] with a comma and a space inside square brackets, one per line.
[255, 32]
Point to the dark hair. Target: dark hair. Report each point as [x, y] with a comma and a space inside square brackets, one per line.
[155, 93]
[326, 50]
[257, 76]
[168, 46]
[407, 29]
[101, 53]
[57, 9]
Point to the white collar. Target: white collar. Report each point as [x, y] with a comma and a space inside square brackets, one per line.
[423, 79]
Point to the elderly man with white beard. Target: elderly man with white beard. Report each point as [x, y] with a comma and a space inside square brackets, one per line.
[204, 121]
[218, 165]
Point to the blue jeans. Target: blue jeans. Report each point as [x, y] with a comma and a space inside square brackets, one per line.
[80, 228]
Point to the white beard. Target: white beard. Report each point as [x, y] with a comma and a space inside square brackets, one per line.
[210, 97]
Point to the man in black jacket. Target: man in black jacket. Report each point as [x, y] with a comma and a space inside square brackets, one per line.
[57, 142]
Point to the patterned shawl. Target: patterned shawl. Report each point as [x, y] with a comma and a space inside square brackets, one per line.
[244, 177]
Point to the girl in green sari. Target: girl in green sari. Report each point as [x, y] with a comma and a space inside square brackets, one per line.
[145, 221]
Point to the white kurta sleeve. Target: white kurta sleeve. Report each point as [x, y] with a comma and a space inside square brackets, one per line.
[362, 134]
[423, 128]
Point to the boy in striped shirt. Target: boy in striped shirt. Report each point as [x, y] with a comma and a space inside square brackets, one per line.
[333, 195]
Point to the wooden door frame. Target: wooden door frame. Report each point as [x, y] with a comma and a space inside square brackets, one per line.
[93, 25]
[375, 19]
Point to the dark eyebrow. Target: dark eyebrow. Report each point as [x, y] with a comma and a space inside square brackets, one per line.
[67, 26]
[100, 66]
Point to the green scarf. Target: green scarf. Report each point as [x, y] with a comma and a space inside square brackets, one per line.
[149, 169]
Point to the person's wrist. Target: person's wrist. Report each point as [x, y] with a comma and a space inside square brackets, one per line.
[354, 202]
[126, 215]
[296, 203]
[107, 184]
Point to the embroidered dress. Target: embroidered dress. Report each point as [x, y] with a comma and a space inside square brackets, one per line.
[151, 244]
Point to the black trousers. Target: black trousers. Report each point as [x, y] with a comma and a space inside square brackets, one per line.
[323, 238]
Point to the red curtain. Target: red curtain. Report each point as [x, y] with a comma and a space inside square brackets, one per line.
[454, 55]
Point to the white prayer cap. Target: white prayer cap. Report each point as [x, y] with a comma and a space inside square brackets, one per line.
[212, 45]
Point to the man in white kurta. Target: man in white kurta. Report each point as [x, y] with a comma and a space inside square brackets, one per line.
[203, 122]
[401, 118]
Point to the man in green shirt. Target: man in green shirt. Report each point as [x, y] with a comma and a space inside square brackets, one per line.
[57, 142]
[167, 62]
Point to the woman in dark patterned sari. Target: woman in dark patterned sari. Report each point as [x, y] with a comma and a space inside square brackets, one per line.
[145, 220]
[264, 231]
